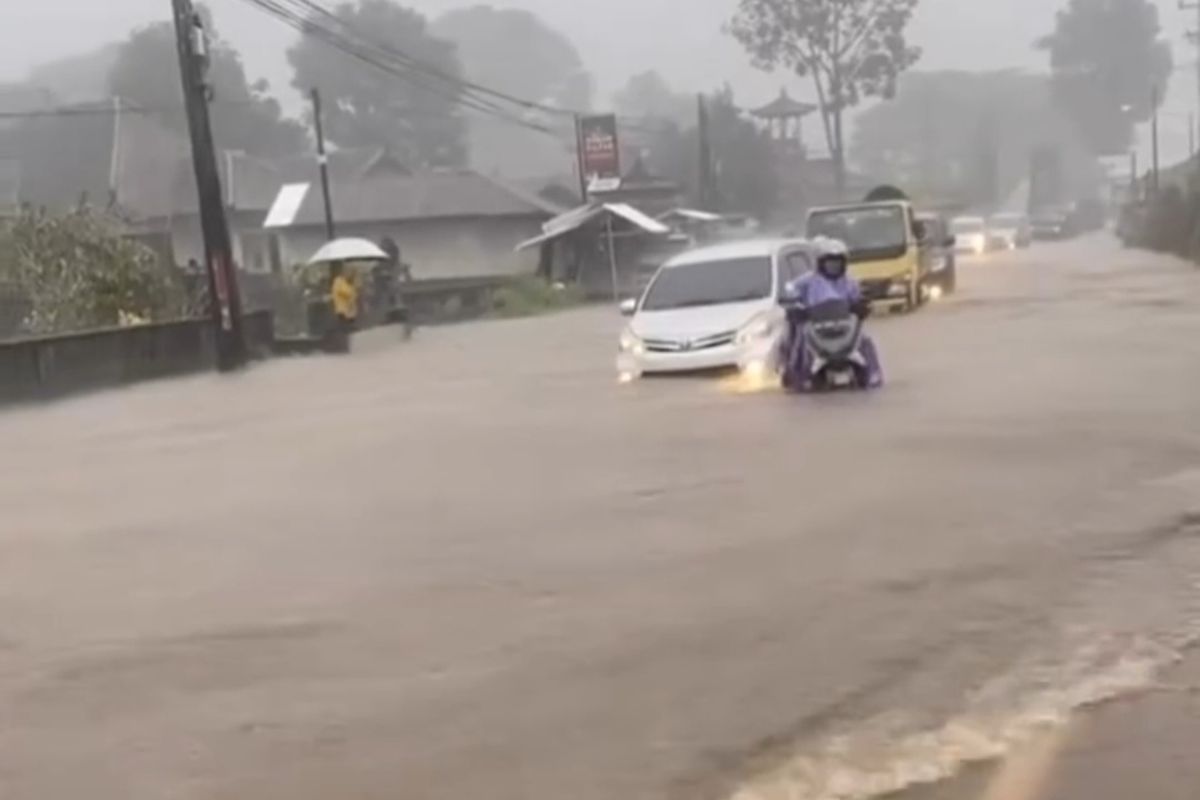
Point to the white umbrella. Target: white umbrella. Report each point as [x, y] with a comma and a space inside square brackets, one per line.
[348, 250]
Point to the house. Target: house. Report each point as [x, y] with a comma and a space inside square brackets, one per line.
[249, 186]
[642, 189]
[447, 223]
[128, 161]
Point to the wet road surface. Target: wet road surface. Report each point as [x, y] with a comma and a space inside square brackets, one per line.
[474, 566]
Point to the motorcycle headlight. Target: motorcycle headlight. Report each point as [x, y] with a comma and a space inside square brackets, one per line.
[631, 343]
[757, 329]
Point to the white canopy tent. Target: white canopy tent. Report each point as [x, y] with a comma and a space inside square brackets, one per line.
[577, 218]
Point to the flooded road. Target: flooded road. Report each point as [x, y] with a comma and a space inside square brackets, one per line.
[475, 566]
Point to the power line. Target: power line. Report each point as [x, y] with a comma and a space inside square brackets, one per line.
[302, 15]
[355, 49]
[106, 110]
[432, 70]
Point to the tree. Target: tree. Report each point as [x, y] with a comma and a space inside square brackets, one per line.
[244, 116]
[968, 137]
[1110, 67]
[515, 52]
[849, 48]
[416, 115]
[78, 272]
[646, 96]
[742, 161]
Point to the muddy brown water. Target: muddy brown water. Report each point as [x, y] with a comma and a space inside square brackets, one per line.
[475, 566]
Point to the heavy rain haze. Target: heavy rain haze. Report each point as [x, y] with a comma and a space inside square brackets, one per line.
[615, 38]
[535, 399]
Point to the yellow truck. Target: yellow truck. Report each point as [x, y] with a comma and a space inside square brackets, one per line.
[889, 255]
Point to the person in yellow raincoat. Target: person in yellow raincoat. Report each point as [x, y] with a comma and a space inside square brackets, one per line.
[343, 295]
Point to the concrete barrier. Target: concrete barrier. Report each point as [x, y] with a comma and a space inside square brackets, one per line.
[55, 366]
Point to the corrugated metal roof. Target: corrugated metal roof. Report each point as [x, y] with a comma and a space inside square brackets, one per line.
[576, 218]
[432, 195]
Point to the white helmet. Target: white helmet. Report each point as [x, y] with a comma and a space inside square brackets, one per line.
[826, 246]
[833, 257]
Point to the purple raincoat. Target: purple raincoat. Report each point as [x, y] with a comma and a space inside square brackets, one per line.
[810, 290]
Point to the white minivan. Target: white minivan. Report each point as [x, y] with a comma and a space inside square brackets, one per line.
[711, 308]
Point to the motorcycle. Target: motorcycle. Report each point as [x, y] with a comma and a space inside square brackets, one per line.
[826, 347]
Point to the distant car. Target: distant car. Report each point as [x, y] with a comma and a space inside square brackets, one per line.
[711, 308]
[1010, 231]
[970, 235]
[1052, 224]
[938, 245]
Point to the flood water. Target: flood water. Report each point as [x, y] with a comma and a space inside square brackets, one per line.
[476, 566]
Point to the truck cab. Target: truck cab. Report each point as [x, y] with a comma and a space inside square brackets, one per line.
[887, 248]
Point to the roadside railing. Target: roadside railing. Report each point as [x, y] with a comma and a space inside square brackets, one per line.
[45, 367]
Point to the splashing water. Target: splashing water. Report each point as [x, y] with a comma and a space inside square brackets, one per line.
[881, 759]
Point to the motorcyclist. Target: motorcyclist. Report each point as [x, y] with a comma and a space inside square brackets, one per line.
[829, 281]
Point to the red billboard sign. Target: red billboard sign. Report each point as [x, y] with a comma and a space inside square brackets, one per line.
[600, 148]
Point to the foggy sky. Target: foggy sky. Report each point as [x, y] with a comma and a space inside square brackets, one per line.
[615, 37]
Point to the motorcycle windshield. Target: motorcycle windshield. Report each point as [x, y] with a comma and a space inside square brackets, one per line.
[829, 311]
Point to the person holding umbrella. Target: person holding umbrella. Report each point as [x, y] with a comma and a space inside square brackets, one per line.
[343, 292]
[343, 295]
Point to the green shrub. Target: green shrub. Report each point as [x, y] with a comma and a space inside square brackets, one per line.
[77, 271]
[526, 297]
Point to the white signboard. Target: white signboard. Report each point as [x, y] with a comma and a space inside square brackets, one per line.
[287, 205]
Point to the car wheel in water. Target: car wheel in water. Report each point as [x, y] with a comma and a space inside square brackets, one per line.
[915, 297]
[950, 285]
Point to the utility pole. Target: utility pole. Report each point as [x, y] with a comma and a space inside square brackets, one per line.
[323, 163]
[1154, 99]
[1192, 136]
[1134, 178]
[192, 44]
[705, 183]
[1194, 36]
[580, 164]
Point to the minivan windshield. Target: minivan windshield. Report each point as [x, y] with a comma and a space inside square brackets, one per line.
[866, 230]
[709, 283]
[967, 225]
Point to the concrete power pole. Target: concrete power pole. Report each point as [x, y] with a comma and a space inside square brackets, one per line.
[323, 163]
[1155, 99]
[1195, 37]
[706, 179]
[192, 44]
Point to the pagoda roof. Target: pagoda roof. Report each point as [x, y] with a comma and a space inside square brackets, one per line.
[783, 107]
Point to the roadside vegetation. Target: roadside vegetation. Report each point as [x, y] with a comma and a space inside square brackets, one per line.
[527, 297]
[77, 272]
[1168, 221]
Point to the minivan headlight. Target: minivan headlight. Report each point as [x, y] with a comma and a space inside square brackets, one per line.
[757, 329]
[632, 343]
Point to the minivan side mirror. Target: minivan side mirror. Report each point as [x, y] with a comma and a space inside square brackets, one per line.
[629, 306]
